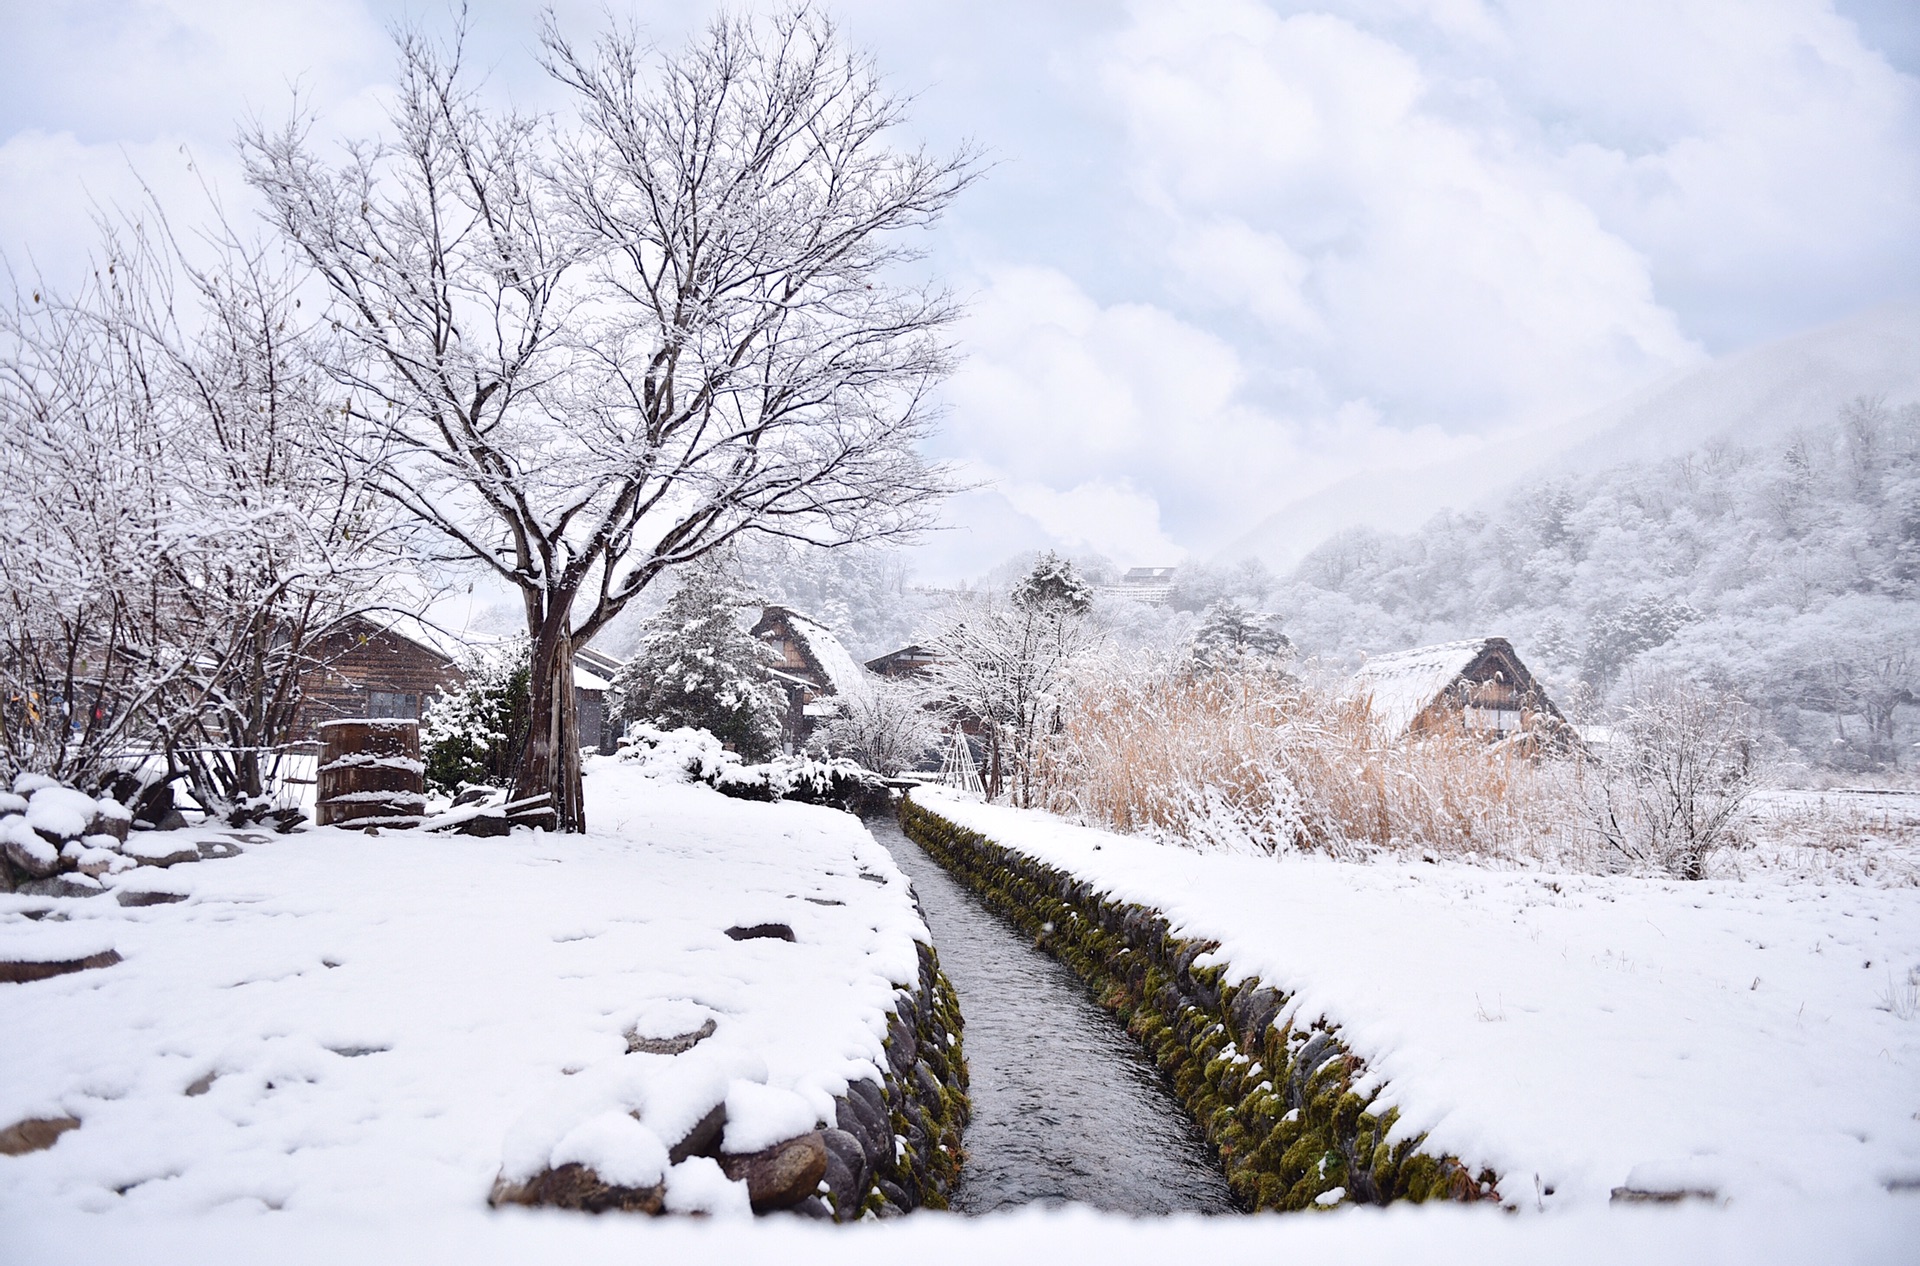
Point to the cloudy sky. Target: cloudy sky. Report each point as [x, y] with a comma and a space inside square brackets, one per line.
[1230, 252]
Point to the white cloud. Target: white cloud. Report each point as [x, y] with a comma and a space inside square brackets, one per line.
[1413, 259]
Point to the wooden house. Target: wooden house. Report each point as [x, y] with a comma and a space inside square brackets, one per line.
[364, 669]
[1151, 585]
[394, 669]
[1478, 684]
[812, 666]
[908, 661]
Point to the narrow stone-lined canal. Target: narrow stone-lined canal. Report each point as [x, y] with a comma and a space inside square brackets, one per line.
[1066, 1107]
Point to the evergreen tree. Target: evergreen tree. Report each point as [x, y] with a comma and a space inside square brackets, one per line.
[696, 667]
[474, 734]
[1230, 636]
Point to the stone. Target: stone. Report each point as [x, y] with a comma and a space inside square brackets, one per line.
[139, 898]
[704, 1138]
[484, 825]
[152, 852]
[35, 1134]
[33, 862]
[111, 819]
[170, 819]
[17, 972]
[761, 932]
[201, 1084]
[848, 1171]
[216, 850]
[814, 1207]
[783, 1175]
[896, 1196]
[864, 1121]
[637, 1045]
[574, 1186]
[1638, 1195]
[62, 886]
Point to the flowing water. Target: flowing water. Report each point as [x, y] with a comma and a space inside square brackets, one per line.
[1066, 1106]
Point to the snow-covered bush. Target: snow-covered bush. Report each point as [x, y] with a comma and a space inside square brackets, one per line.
[690, 755]
[473, 734]
[1671, 783]
[886, 728]
[697, 668]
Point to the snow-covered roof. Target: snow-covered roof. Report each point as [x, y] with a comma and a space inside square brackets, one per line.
[584, 679]
[1404, 684]
[844, 674]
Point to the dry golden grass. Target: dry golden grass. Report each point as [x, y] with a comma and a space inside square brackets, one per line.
[1258, 762]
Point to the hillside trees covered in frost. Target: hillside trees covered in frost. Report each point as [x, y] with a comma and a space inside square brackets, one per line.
[181, 514]
[1787, 575]
[600, 346]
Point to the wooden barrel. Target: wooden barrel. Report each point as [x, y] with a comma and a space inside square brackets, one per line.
[370, 773]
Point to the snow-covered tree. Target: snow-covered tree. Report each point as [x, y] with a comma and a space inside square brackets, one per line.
[886, 728]
[1007, 666]
[1682, 762]
[1230, 636]
[697, 668]
[594, 351]
[178, 519]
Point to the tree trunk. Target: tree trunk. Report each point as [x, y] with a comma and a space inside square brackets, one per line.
[546, 783]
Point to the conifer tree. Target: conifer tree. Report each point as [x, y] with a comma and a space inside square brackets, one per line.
[697, 667]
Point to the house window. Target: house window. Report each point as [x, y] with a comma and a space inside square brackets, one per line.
[389, 703]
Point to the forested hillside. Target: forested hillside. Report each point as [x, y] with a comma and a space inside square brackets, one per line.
[1788, 573]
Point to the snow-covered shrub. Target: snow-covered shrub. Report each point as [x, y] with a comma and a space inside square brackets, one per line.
[1671, 784]
[689, 755]
[886, 728]
[473, 734]
[697, 668]
[677, 755]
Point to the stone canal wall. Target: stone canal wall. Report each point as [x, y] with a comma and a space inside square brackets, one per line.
[896, 1145]
[1281, 1104]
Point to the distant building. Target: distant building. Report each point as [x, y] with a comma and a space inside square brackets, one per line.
[593, 675]
[1478, 683]
[908, 661]
[812, 666]
[1151, 585]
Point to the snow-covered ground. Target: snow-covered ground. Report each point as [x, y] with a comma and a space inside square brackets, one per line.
[1757, 1040]
[331, 1024]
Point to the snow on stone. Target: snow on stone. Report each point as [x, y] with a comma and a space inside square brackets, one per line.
[1402, 685]
[61, 811]
[1577, 1032]
[334, 1025]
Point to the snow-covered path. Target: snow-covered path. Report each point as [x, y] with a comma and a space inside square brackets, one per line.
[337, 1024]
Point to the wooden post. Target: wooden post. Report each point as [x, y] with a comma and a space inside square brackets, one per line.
[370, 774]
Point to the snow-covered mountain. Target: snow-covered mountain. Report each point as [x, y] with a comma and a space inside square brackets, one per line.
[1747, 397]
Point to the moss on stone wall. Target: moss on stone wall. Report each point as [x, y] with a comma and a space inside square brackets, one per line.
[1277, 1103]
[896, 1146]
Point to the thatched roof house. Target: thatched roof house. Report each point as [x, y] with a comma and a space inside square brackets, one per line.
[1478, 683]
[813, 666]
